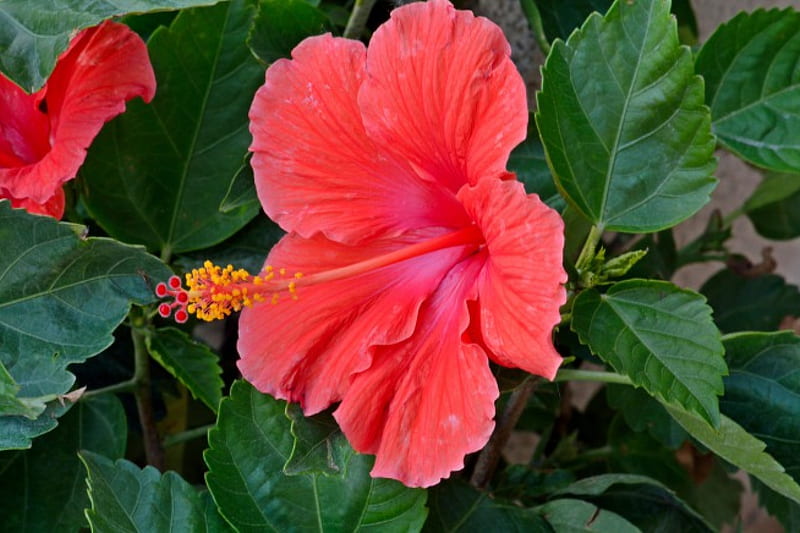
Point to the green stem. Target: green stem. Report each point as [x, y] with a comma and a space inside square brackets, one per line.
[358, 19]
[123, 386]
[569, 374]
[727, 220]
[490, 455]
[144, 400]
[189, 434]
[535, 22]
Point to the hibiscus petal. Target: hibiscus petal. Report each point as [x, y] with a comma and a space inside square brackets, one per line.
[315, 168]
[103, 68]
[521, 288]
[54, 207]
[24, 128]
[427, 402]
[443, 93]
[307, 350]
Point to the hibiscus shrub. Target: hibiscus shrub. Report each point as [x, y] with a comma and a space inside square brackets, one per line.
[277, 265]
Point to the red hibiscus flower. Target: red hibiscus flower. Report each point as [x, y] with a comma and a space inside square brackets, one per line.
[422, 258]
[44, 136]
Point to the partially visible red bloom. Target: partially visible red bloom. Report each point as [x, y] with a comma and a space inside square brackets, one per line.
[44, 136]
[422, 257]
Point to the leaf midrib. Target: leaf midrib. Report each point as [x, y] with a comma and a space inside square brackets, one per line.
[613, 152]
[199, 125]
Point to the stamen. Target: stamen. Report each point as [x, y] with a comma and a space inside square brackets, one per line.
[214, 292]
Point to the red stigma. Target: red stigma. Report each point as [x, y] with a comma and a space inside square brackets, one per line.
[161, 290]
[164, 310]
[181, 316]
[174, 282]
[173, 288]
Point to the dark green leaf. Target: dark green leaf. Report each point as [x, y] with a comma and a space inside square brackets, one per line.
[11, 405]
[750, 68]
[192, 362]
[661, 259]
[642, 412]
[782, 508]
[561, 17]
[718, 497]
[281, 24]
[687, 22]
[762, 393]
[247, 249]
[774, 208]
[735, 445]
[529, 163]
[659, 335]
[44, 489]
[567, 515]
[623, 123]
[126, 498]
[242, 191]
[17, 432]
[61, 297]
[455, 506]
[33, 34]
[644, 502]
[639, 453]
[248, 450]
[319, 446]
[158, 174]
[755, 304]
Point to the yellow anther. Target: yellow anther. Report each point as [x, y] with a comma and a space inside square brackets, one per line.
[282, 272]
[275, 298]
[298, 275]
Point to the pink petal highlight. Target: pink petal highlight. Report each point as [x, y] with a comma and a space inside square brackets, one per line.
[521, 289]
[307, 350]
[443, 94]
[427, 402]
[316, 170]
[104, 67]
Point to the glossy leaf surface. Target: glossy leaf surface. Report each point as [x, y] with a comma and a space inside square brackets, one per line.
[159, 173]
[622, 119]
[249, 448]
[753, 86]
[659, 335]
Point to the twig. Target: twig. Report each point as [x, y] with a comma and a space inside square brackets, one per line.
[490, 456]
[189, 434]
[144, 401]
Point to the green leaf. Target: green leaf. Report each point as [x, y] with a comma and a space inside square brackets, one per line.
[659, 335]
[191, 362]
[43, 489]
[752, 86]
[61, 297]
[755, 304]
[319, 446]
[642, 501]
[642, 412]
[281, 24]
[762, 392]
[249, 447]
[33, 34]
[242, 191]
[126, 498]
[530, 165]
[782, 508]
[773, 207]
[623, 123]
[561, 17]
[11, 405]
[456, 506]
[247, 249]
[158, 174]
[735, 445]
[18, 432]
[568, 515]
[717, 497]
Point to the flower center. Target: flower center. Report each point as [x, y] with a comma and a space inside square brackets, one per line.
[214, 292]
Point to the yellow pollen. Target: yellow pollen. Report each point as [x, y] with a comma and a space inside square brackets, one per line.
[215, 292]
